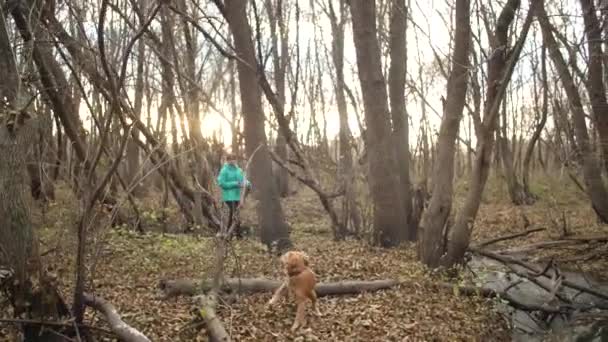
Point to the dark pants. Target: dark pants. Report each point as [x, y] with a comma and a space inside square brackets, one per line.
[233, 215]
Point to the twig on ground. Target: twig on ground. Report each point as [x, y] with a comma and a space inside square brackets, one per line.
[509, 237]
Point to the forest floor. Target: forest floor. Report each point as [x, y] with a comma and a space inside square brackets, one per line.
[127, 267]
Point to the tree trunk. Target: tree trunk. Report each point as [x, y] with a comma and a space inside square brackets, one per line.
[30, 291]
[604, 9]
[61, 146]
[435, 219]
[539, 126]
[234, 127]
[280, 56]
[41, 186]
[388, 218]
[201, 168]
[133, 164]
[516, 190]
[396, 79]
[595, 74]
[595, 187]
[273, 227]
[499, 75]
[351, 213]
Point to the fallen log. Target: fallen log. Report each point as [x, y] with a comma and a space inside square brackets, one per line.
[189, 287]
[124, 331]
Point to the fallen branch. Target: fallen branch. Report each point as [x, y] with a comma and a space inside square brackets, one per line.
[188, 287]
[124, 331]
[214, 325]
[509, 237]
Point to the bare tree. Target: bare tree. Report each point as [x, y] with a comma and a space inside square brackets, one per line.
[133, 152]
[389, 222]
[400, 125]
[435, 218]
[273, 227]
[500, 69]
[540, 124]
[507, 154]
[445, 242]
[351, 213]
[595, 186]
[279, 34]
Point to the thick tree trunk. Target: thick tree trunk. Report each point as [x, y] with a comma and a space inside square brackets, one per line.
[30, 291]
[388, 217]
[273, 227]
[396, 79]
[592, 173]
[434, 221]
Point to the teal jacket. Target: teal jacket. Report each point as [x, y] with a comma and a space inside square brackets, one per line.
[230, 181]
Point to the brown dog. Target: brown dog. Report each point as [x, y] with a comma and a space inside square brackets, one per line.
[300, 280]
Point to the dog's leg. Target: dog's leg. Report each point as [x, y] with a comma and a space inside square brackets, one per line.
[300, 314]
[278, 293]
[313, 299]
